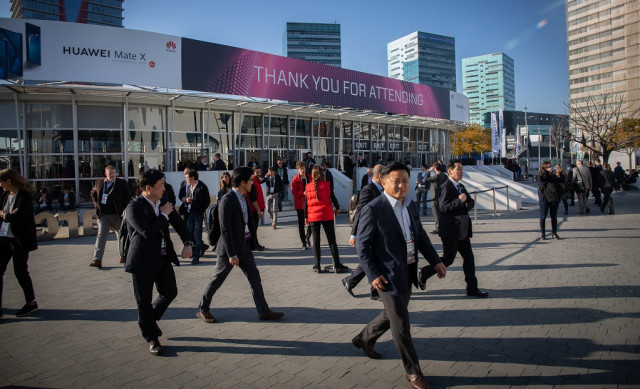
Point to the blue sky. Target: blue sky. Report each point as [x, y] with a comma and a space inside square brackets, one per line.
[532, 32]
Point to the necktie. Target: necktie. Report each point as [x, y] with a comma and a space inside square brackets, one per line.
[459, 188]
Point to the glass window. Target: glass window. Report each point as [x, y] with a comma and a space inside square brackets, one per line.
[251, 125]
[50, 141]
[98, 116]
[139, 162]
[92, 166]
[187, 121]
[8, 116]
[51, 166]
[146, 141]
[183, 139]
[99, 141]
[56, 116]
[147, 118]
[9, 142]
[276, 126]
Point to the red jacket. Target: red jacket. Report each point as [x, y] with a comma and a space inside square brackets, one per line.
[319, 209]
[257, 187]
[297, 188]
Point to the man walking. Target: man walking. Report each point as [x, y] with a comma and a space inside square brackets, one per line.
[274, 188]
[367, 194]
[110, 196]
[218, 163]
[196, 201]
[582, 176]
[348, 165]
[422, 189]
[389, 237]
[233, 248]
[454, 204]
[436, 178]
[151, 253]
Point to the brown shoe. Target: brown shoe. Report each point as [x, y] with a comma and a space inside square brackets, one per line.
[417, 381]
[206, 317]
[272, 315]
[368, 350]
[122, 260]
[97, 264]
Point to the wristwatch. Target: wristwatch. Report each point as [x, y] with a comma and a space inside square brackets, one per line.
[188, 244]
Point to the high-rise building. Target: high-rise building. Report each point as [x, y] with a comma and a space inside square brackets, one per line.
[316, 42]
[423, 58]
[488, 82]
[604, 56]
[103, 12]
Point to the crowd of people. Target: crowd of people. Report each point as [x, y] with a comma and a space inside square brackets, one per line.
[387, 232]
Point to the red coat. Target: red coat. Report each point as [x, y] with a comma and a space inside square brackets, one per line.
[319, 209]
[257, 187]
[297, 188]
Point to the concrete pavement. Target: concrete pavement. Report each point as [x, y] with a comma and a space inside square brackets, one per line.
[560, 314]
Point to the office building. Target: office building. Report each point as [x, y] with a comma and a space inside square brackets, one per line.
[103, 12]
[315, 42]
[488, 82]
[602, 39]
[423, 58]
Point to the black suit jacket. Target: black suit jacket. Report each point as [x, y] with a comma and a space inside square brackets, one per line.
[21, 219]
[146, 231]
[201, 199]
[219, 165]
[454, 221]
[277, 184]
[367, 194]
[382, 249]
[365, 181]
[232, 240]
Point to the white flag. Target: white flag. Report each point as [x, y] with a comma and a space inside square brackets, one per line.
[495, 135]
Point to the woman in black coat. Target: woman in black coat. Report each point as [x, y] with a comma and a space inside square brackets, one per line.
[549, 193]
[607, 185]
[17, 234]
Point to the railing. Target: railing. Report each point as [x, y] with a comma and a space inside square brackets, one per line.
[475, 198]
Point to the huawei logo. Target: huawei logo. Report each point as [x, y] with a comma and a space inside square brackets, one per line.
[171, 45]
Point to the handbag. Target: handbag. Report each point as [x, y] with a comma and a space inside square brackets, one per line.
[578, 186]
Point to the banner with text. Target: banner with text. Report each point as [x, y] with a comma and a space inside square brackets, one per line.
[495, 135]
[229, 70]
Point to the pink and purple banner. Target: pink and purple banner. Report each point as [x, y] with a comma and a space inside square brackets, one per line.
[229, 70]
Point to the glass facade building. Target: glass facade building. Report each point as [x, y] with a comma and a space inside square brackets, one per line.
[423, 58]
[64, 136]
[315, 42]
[489, 83]
[102, 12]
[603, 40]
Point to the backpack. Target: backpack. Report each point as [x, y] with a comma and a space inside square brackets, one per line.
[553, 191]
[353, 205]
[212, 225]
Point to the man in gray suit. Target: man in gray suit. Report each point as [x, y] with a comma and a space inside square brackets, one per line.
[582, 176]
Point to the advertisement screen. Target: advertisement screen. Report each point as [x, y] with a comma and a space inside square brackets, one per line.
[14, 52]
[33, 43]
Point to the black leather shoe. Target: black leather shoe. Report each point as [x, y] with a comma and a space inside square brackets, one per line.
[477, 293]
[435, 231]
[155, 348]
[317, 269]
[417, 381]
[374, 295]
[340, 268]
[260, 248]
[556, 237]
[542, 237]
[346, 286]
[368, 350]
[422, 282]
[272, 315]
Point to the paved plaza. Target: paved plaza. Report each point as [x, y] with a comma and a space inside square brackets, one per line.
[560, 314]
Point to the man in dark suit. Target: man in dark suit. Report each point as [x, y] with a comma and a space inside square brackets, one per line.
[347, 165]
[361, 161]
[196, 201]
[233, 248]
[389, 236]
[282, 170]
[110, 196]
[436, 177]
[367, 194]
[151, 253]
[454, 204]
[218, 163]
[367, 178]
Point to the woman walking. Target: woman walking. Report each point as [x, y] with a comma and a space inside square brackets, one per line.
[565, 184]
[320, 212]
[298, 184]
[17, 234]
[548, 198]
[607, 184]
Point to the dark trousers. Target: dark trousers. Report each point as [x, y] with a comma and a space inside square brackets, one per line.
[329, 230]
[607, 199]
[221, 271]
[149, 313]
[421, 199]
[449, 249]
[565, 203]
[253, 229]
[194, 223]
[9, 248]
[552, 209]
[304, 237]
[597, 196]
[436, 213]
[354, 279]
[395, 316]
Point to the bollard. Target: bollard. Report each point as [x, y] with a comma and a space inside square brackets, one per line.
[495, 213]
[508, 208]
